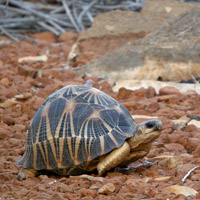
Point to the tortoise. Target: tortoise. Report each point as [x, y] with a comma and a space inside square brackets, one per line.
[79, 129]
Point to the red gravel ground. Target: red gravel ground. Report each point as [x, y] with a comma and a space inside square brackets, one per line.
[23, 88]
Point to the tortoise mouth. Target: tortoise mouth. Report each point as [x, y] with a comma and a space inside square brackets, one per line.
[151, 137]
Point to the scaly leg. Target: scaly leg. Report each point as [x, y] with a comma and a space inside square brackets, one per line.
[113, 159]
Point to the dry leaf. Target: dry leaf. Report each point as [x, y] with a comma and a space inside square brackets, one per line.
[195, 123]
[23, 96]
[162, 157]
[162, 178]
[5, 81]
[168, 9]
[134, 182]
[88, 177]
[143, 117]
[184, 190]
[8, 103]
[179, 123]
[168, 160]
[108, 188]
[42, 58]
[52, 182]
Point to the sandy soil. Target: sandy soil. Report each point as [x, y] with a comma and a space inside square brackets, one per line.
[23, 88]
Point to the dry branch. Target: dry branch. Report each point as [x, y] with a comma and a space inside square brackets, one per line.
[20, 16]
[189, 173]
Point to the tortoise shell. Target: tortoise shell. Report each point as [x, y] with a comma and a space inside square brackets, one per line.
[75, 124]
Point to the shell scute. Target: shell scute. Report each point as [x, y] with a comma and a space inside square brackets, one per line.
[52, 164]
[34, 127]
[82, 154]
[81, 114]
[55, 111]
[66, 156]
[95, 147]
[43, 130]
[110, 117]
[54, 96]
[62, 126]
[68, 92]
[40, 160]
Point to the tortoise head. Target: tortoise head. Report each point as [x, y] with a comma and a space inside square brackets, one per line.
[148, 127]
[146, 133]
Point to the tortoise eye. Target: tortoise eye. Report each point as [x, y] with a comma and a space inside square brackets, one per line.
[150, 124]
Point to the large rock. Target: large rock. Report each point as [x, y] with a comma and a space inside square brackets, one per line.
[162, 87]
[113, 29]
[169, 53]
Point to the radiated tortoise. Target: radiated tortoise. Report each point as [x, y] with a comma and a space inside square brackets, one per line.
[79, 129]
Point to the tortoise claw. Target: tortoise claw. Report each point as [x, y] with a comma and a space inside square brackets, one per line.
[20, 177]
[26, 173]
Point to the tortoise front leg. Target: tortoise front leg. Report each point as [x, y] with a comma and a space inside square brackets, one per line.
[26, 173]
[133, 156]
[113, 159]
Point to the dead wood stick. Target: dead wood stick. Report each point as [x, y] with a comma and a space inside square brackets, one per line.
[85, 10]
[17, 16]
[37, 13]
[45, 6]
[16, 10]
[90, 17]
[49, 28]
[3, 30]
[57, 10]
[21, 31]
[68, 12]
[17, 19]
[11, 25]
[25, 37]
[57, 26]
[119, 6]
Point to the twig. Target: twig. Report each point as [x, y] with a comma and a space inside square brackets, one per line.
[85, 10]
[194, 79]
[144, 164]
[57, 10]
[49, 28]
[90, 17]
[68, 12]
[22, 31]
[8, 34]
[19, 16]
[57, 26]
[183, 32]
[42, 6]
[125, 6]
[40, 14]
[26, 37]
[18, 19]
[188, 174]
[16, 10]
